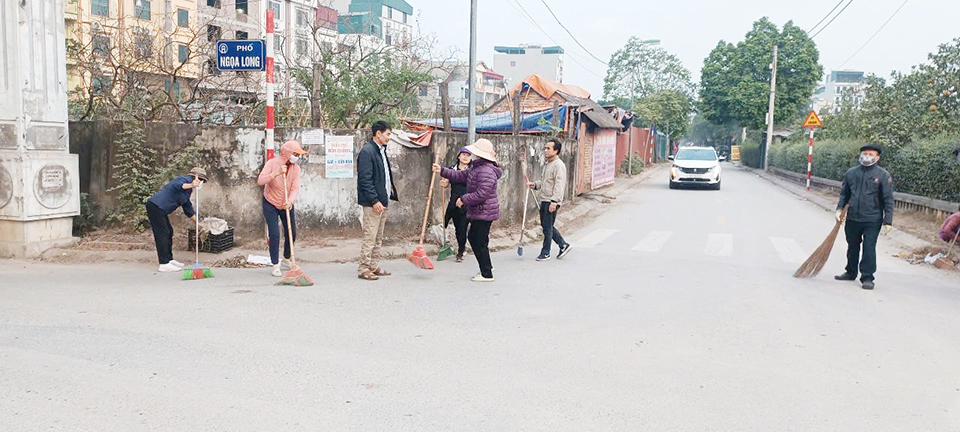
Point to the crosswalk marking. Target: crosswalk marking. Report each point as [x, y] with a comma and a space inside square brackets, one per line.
[595, 238]
[789, 250]
[653, 241]
[720, 245]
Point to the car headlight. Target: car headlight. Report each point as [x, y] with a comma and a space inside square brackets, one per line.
[674, 171]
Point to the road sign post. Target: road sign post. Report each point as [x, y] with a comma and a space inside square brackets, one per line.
[812, 122]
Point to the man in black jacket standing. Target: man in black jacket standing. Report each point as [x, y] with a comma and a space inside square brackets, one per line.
[868, 189]
[375, 190]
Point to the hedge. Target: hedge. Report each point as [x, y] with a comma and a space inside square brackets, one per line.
[926, 168]
[750, 153]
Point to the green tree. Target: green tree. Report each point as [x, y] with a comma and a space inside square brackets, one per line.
[735, 79]
[639, 70]
[133, 174]
[669, 109]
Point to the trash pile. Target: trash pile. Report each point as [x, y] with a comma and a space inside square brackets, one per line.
[237, 261]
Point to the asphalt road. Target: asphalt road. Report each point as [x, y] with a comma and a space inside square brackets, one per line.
[675, 311]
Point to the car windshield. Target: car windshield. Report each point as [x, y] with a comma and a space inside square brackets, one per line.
[697, 154]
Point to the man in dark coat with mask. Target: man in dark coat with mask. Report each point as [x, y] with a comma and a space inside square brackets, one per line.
[868, 189]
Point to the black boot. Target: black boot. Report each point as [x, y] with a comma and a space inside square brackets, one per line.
[868, 285]
[846, 277]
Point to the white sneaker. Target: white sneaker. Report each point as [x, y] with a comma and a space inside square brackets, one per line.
[177, 263]
[276, 271]
[479, 278]
[285, 263]
[168, 268]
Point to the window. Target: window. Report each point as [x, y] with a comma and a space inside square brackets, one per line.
[373, 30]
[303, 19]
[278, 43]
[389, 12]
[143, 42]
[242, 6]
[277, 15]
[183, 17]
[213, 33]
[101, 7]
[242, 35]
[101, 84]
[423, 91]
[184, 53]
[389, 40]
[404, 17]
[141, 9]
[213, 3]
[101, 45]
[513, 64]
[301, 47]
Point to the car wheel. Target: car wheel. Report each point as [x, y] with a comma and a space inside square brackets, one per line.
[716, 186]
[673, 185]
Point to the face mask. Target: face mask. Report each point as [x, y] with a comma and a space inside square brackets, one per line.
[294, 159]
[868, 160]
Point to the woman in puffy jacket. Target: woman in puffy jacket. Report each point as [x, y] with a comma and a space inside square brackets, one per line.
[481, 200]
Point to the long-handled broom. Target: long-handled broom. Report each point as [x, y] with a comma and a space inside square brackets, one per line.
[445, 250]
[295, 276]
[526, 199]
[812, 266]
[197, 270]
[419, 256]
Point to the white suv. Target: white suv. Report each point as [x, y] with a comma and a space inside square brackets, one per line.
[695, 166]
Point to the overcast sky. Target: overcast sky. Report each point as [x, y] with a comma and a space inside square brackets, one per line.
[691, 28]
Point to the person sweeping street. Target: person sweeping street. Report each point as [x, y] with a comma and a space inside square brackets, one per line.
[552, 188]
[480, 200]
[950, 228]
[453, 213]
[375, 190]
[174, 194]
[868, 190]
[277, 200]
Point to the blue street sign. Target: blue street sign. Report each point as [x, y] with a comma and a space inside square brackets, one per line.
[241, 55]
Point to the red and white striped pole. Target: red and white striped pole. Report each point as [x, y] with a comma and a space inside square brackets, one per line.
[268, 142]
[810, 158]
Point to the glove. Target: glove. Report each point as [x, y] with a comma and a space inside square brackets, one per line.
[886, 229]
[839, 215]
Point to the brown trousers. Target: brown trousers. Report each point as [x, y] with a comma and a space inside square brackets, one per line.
[370, 255]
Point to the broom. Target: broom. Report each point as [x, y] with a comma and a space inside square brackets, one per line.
[295, 276]
[445, 250]
[419, 256]
[812, 266]
[526, 200]
[197, 270]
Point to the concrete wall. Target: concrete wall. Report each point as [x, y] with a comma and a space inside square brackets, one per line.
[233, 158]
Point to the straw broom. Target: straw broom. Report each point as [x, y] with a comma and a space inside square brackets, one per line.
[812, 266]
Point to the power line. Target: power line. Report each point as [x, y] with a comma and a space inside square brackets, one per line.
[825, 17]
[875, 34]
[527, 16]
[831, 21]
[571, 34]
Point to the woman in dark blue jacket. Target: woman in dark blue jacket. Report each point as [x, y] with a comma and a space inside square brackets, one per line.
[171, 196]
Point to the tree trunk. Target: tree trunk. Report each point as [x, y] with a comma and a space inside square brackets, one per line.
[316, 113]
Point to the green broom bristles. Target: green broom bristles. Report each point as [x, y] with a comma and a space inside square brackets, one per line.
[197, 271]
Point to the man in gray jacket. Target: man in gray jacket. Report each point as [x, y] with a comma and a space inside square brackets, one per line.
[552, 189]
[868, 189]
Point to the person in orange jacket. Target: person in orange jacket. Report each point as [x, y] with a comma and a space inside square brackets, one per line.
[276, 201]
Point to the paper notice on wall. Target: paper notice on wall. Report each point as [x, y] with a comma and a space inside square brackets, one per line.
[312, 137]
[604, 158]
[339, 156]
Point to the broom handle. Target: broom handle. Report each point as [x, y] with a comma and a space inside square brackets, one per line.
[196, 242]
[953, 242]
[526, 200]
[426, 209]
[286, 197]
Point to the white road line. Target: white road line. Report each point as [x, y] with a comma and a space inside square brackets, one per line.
[789, 250]
[594, 238]
[720, 245]
[653, 242]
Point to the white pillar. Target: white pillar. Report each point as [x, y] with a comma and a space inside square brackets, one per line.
[39, 178]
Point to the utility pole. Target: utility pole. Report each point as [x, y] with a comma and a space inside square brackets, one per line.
[472, 85]
[773, 97]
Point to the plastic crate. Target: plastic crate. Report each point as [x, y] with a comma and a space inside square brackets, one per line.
[213, 243]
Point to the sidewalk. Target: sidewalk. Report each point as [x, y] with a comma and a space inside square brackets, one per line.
[828, 201]
[341, 250]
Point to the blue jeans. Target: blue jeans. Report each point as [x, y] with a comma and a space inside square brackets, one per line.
[273, 216]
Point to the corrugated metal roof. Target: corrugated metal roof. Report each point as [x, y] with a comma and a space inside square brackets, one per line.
[602, 119]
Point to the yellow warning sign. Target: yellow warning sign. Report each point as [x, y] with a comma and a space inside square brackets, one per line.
[812, 121]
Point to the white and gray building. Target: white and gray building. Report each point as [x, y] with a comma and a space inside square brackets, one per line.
[839, 86]
[519, 62]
